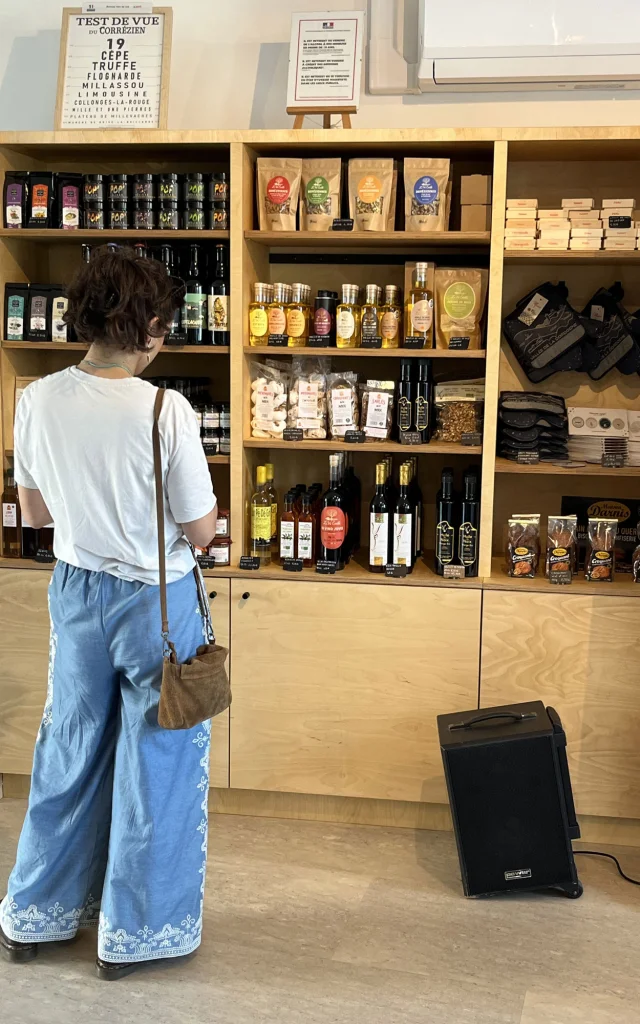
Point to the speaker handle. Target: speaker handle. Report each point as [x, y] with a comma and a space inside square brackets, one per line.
[512, 716]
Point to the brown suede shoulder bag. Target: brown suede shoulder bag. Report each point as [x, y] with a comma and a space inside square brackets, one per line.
[199, 689]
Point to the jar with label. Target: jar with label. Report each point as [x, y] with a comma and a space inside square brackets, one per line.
[94, 188]
[118, 215]
[193, 187]
[118, 187]
[391, 317]
[168, 187]
[144, 187]
[297, 317]
[348, 318]
[225, 416]
[324, 317]
[219, 187]
[220, 551]
[193, 216]
[222, 523]
[225, 442]
[94, 214]
[419, 309]
[218, 219]
[168, 215]
[277, 312]
[259, 313]
[371, 314]
[143, 218]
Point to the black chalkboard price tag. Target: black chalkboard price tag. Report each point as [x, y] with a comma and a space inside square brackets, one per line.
[371, 342]
[292, 564]
[410, 437]
[413, 341]
[206, 562]
[612, 461]
[249, 562]
[278, 341]
[292, 434]
[453, 572]
[211, 449]
[342, 224]
[42, 555]
[527, 458]
[394, 571]
[325, 568]
[354, 437]
[460, 343]
[319, 341]
[473, 438]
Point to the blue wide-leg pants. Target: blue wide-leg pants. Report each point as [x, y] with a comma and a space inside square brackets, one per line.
[116, 828]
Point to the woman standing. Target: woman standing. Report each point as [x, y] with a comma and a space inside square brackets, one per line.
[116, 829]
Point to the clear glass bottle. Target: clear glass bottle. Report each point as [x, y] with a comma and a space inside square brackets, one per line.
[259, 313]
[11, 520]
[371, 312]
[348, 318]
[288, 527]
[403, 528]
[261, 533]
[278, 309]
[418, 320]
[306, 547]
[273, 494]
[391, 317]
[298, 316]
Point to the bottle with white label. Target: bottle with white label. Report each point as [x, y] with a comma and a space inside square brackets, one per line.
[288, 529]
[379, 523]
[418, 322]
[348, 316]
[306, 531]
[218, 299]
[11, 520]
[403, 529]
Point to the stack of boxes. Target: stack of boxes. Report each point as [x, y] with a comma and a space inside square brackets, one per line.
[475, 202]
[577, 226]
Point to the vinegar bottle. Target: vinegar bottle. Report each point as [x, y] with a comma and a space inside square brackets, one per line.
[11, 520]
[261, 519]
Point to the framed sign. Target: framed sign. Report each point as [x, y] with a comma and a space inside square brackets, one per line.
[114, 69]
[325, 60]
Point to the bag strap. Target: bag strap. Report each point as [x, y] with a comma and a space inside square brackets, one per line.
[168, 648]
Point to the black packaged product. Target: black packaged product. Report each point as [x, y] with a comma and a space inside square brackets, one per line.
[38, 313]
[422, 402]
[625, 510]
[218, 219]
[529, 421]
[545, 332]
[469, 529]
[16, 192]
[16, 308]
[168, 215]
[41, 199]
[118, 187]
[168, 187]
[193, 216]
[94, 188]
[324, 317]
[193, 187]
[118, 215]
[58, 305]
[143, 214]
[219, 187]
[94, 214]
[446, 523]
[404, 399]
[70, 201]
[607, 339]
[144, 187]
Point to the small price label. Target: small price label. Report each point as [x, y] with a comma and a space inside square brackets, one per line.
[249, 562]
[395, 571]
[211, 448]
[459, 343]
[292, 564]
[292, 434]
[619, 221]
[453, 572]
[410, 437]
[278, 341]
[414, 341]
[42, 555]
[325, 567]
[528, 458]
[472, 438]
[319, 341]
[611, 460]
[371, 342]
[206, 562]
[342, 224]
[354, 437]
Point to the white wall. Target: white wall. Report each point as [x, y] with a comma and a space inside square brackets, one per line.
[229, 70]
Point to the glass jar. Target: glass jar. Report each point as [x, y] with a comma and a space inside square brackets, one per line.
[225, 441]
[222, 524]
[144, 187]
[220, 551]
[218, 217]
[219, 187]
[118, 215]
[193, 216]
[94, 188]
[168, 187]
[94, 214]
[193, 187]
[118, 187]
[168, 215]
[143, 215]
[225, 416]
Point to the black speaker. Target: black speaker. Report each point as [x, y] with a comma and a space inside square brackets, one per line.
[511, 799]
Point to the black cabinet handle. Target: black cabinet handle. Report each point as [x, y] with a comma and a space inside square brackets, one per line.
[213, 594]
[246, 595]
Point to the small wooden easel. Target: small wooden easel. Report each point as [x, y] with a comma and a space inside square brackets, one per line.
[302, 112]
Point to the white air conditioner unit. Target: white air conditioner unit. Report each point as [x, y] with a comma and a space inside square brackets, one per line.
[503, 45]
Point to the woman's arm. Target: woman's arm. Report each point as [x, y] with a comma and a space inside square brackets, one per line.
[200, 532]
[34, 511]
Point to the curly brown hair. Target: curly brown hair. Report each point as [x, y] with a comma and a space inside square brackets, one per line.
[114, 298]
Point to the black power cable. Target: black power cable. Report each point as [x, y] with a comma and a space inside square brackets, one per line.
[597, 853]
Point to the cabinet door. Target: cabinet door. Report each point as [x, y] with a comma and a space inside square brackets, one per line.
[336, 687]
[580, 655]
[24, 660]
[220, 609]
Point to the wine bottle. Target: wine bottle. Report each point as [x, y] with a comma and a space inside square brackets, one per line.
[422, 401]
[379, 523]
[445, 522]
[194, 308]
[334, 519]
[11, 520]
[404, 409]
[175, 335]
[417, 497]
[403, 529]
[218, 300]
[469, 523]
[261, 519]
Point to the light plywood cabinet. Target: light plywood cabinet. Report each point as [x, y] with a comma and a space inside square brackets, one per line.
[220, 616]
[581, 655]
[336, 688]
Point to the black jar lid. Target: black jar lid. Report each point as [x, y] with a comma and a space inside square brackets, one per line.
[168, 176]
[93, 202]
[118, 178]
[194, 176]
[94, 177]
[322, 294]
[219, 176]
[143, 178]
[118, 204]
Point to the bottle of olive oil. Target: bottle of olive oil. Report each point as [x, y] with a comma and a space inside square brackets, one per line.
[273, 495]
[261, 532]
[348, 318]
[370, 314]
[468, 531]
[11, 520]
[259, 313]
[391, 317]
[298, 317]
[446, 522]
[419, 308]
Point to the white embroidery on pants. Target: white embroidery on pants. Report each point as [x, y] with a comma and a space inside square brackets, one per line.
[47, 714]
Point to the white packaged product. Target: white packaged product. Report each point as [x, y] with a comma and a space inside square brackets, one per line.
[377, 409]
[308, 397]
[342, 403]
[269, 389]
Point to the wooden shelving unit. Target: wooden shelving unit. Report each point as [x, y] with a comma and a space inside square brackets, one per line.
[50, 235]
[557, 469]
[384, 353]
[369, 239]
[76, 346]
[573, 256]
[447, 448]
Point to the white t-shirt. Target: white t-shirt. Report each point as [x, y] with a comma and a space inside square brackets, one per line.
[85, 443]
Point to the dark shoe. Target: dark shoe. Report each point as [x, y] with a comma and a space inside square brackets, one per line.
[113, 972]
[17, 952]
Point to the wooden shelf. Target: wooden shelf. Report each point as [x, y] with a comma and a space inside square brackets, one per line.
[573, 256]
[369, 239]
[77, 346]
[622, 586]
[388, 447]
[218, 460]
[91, 235]
[550, 469]
[403, 353]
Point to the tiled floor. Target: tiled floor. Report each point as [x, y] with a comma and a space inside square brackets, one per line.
[308, 922]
